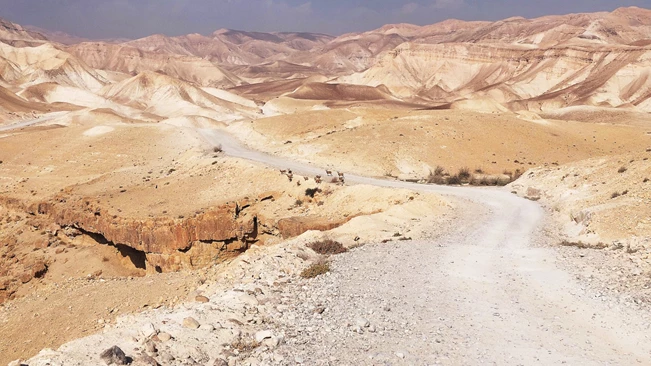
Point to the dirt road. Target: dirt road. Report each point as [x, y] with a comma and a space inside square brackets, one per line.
[481, 294]
[31, 122]
[483, 289]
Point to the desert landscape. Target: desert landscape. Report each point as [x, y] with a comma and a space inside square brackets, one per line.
[460, 193]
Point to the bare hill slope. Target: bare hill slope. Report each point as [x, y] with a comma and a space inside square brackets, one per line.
[165, 96]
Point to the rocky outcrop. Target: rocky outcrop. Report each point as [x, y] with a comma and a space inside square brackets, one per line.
[162, 243]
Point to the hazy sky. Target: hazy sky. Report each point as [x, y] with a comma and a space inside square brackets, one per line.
[138, 18]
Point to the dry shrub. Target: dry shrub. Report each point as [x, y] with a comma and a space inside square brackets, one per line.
[582, 245]
[437, 176]
[217, 149]
[454, 180]
[464, 174]
[245, 345]
[316, 269]
[310, 192]
[327, 246]
[622, 170]
[615, 195]
[502, 181]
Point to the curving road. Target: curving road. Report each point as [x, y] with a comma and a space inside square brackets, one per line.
[484, 287]
[31, 122]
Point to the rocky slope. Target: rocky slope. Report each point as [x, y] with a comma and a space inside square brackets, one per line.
[16, 34]
[601, 201]
[130, 60]
[26, 66]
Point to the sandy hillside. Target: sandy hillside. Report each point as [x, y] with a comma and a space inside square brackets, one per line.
[45, 63]
[165, 96]
[85, 208]
[411, 143]
[599, 200]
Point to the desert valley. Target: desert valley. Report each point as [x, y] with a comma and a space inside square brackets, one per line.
[465, 192]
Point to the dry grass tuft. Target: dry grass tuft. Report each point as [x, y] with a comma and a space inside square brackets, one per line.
[582, 245]
[327, 247]
[454, 180]
[316, 269]
[437, 176]
[464, 174]
[245, 345]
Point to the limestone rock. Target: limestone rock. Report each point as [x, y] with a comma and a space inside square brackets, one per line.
[114, 356]
[191, 323]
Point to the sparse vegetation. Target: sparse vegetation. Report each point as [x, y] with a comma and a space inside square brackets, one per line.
[645, 180]
[615, 195]
[327, 246]
[440, 176]
[311, 192]
[316, 269]
[454, 180]
[582, 245]
[622, 170]
[217, 149]
[437, 176]
[298, 203]
[464, 174]
[245, 345]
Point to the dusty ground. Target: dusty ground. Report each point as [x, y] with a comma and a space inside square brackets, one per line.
[410, 143]
[519, 302]
[144, 172]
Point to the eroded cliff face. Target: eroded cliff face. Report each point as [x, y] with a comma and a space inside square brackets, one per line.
[162, 243]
